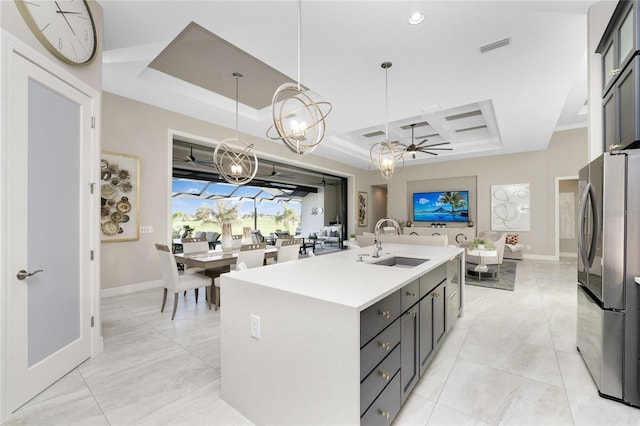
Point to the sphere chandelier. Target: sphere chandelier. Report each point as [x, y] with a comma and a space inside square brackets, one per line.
[298, 120]
[385, 155]
[236, 160]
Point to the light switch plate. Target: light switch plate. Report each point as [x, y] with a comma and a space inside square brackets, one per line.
[146, 229]
[255, 326]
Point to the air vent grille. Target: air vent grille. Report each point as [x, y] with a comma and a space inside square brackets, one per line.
[373, 134]
[495, 45]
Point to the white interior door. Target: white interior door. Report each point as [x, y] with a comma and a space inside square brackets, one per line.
[49, 156]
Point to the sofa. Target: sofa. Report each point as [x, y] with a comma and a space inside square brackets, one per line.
[329, 234]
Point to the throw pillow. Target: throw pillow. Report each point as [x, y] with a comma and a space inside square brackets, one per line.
[333, 233]
[511, 239]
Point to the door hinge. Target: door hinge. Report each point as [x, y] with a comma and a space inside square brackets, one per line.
[91, 252]
[92, 321]
[93, 122]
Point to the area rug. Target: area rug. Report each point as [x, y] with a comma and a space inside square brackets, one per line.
[507, 277]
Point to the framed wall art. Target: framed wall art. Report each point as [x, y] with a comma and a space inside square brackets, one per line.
[510, 207]
[362, 209]
[119, 197]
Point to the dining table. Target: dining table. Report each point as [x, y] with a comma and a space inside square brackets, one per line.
[216, 259]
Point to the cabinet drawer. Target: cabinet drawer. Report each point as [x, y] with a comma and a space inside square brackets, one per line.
[378, 316]
[385, 408]
[410, 294]
[378, 348]
[430, 280]
[371, 387]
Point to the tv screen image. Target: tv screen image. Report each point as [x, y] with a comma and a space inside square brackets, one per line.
[450, 206]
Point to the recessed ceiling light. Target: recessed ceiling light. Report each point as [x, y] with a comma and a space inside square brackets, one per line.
[416, 17]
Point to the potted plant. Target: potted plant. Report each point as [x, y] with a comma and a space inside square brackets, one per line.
[352, 237]
[481, 244]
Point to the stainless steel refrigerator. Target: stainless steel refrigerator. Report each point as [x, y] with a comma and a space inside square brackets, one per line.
[608, 262]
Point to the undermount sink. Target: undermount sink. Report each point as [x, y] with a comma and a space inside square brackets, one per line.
[400, 262]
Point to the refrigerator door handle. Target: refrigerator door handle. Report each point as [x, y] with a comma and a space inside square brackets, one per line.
[595, 222]
[581, 212]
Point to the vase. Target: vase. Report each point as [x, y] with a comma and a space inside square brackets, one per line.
[226, 238]
[246, 235]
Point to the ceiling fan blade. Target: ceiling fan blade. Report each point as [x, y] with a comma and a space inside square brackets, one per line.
[435, 144]
[434, 149]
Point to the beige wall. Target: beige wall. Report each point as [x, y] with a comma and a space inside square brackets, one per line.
[566, 154]
[134, 128]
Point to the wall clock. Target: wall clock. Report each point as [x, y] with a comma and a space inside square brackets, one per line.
[64, 27]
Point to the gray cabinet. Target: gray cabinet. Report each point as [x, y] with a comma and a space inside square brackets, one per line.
[619, 43]
[620, 66]
[432, 324]
[399, 336]
[620, 110]
[409, 350]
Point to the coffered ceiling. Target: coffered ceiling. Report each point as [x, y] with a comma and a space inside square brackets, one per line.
[490, 77]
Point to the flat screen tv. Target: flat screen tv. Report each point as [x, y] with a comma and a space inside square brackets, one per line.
[450, 206]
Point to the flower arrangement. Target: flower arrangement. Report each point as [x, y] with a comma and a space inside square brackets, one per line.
[482, 244]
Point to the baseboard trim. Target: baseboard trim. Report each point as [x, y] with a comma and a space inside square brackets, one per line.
[131, 288]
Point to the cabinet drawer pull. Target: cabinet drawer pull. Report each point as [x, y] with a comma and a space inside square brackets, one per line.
[384, 414]
[385, 345]
[412, 313]
[453, 294]
[385, 314]
[410, 294]
[385, 376]
[436, 294]
[614, 72]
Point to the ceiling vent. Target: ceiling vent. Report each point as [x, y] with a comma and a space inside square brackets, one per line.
[373, 134]
[495, 45]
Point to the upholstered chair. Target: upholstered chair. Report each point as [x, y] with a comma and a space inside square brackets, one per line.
[175, 282]
[288, 249]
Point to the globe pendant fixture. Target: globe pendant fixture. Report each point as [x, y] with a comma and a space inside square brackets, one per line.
[298, 120]
[384, 154]
[236, 160]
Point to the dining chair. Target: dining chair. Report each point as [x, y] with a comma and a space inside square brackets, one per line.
[194, 245]
[250, 256]
[176, 282]
[288, 249]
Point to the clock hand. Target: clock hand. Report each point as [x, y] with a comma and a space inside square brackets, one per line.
[65, 18]
[71, 13]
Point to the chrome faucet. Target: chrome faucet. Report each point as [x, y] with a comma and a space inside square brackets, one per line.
[377, 244]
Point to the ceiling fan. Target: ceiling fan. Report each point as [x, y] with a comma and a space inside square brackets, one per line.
[191, 159]
[275, 173]
[324, 183]
[420, 147]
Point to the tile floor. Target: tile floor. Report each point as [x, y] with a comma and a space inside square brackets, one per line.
[510, 361]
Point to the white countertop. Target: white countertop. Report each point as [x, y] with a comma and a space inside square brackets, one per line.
[339, 278]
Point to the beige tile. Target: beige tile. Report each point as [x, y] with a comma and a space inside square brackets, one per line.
[497, 397]
[595, 411]
[415, 411]
[445, 416]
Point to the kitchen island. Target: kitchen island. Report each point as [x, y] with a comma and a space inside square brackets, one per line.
[333, 340]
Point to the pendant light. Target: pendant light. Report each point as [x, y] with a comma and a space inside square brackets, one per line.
[385, 155]
[298, 120]
[235, 160]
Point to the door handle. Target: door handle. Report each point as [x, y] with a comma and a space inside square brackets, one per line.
[22, 274]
